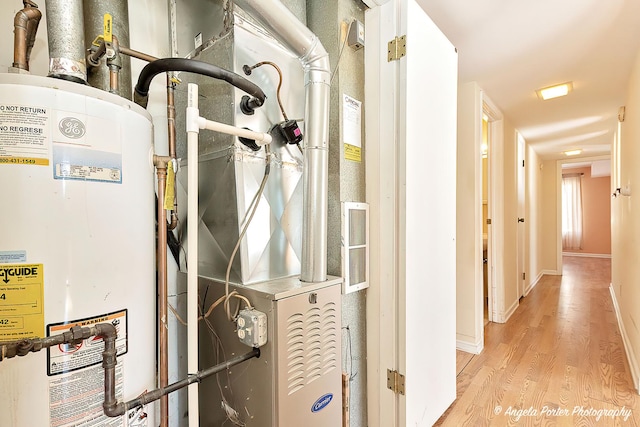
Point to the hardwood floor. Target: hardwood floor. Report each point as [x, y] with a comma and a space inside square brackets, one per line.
[559, 360]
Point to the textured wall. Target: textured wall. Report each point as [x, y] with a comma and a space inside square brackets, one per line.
[329, 20]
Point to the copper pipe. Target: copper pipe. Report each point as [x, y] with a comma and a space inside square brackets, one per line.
[161, 171]
[114, 78]
[25, 25]
[135, 54]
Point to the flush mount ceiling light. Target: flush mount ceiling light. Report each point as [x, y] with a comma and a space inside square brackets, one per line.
[572, 152]
[554, 91]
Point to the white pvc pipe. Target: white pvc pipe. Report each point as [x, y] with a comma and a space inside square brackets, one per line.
[260, 138]
[192, 251]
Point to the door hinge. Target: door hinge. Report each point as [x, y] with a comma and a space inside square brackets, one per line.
[395, 382]
[489, 221]
[524, 275]
[523, 163]
[397, 48]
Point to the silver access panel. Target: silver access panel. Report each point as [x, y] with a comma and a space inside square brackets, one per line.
[297, 379]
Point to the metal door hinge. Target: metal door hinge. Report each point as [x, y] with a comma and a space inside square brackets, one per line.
[395, 382]
[524, 276]
[397, 48]
[489, 221]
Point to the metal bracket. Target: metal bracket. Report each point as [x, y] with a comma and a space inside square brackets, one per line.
[395, 382]
[397, 48]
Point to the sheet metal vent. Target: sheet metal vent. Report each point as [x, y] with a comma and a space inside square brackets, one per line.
[312, 345]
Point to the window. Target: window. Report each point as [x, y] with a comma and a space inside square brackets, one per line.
[572, 212]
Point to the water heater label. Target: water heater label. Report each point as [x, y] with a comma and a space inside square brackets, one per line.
[86, 148]
[67, 358]
[76, 399]
[9, 257]
[21, 301]
[24, 135]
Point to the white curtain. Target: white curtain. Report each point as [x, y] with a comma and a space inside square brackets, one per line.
[572, 212]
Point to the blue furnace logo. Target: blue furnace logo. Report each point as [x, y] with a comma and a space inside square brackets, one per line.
[322, 402]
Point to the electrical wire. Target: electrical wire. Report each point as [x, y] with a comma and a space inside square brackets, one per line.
[344, 42]
[247, 70]
[252, 209]
[175, 313]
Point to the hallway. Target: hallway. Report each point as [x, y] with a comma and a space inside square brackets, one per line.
[559, 359]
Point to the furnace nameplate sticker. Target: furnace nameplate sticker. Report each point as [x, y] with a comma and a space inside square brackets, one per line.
[24, 135]
[21, 301]
[352, 128]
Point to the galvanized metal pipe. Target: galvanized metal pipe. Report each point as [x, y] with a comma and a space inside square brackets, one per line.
[283, 24]
[65, 30]
[94, 11]
[153, 395]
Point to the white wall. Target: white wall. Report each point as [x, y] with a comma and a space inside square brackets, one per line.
[625, 231]
[549, 217]
[533, 215]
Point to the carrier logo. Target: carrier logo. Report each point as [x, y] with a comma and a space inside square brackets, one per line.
[322, 403]
[72, 127]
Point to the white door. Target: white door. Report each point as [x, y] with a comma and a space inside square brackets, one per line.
[411, 188]
[521, 219]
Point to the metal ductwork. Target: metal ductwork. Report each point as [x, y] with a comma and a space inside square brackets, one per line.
[283, 24]
[65, 30]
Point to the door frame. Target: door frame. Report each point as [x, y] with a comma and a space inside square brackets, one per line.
[559, 164]
[521, 246]
[495, 203]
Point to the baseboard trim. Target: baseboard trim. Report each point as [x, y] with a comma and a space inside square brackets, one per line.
[633, 364]
[533, 284]
[586, 255]
[504, 317]
[551, 272]
[470, 347]
[511, 310]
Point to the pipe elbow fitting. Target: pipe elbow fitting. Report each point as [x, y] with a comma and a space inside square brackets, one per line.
[114, 409]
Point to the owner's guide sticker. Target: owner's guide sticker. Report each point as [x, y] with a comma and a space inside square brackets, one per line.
[21, 301]
[24, 135]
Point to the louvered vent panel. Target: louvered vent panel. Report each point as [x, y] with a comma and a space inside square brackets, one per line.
[311, 345]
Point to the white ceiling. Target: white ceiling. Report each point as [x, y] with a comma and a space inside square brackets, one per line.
[513, 47]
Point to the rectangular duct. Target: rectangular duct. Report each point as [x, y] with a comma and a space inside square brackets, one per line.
[230, 173]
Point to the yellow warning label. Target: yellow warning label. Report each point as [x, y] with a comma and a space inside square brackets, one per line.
[23, 161]
[169, 193]
[351, 152]
[21, 301]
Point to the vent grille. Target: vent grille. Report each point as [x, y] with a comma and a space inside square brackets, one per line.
[312, 348]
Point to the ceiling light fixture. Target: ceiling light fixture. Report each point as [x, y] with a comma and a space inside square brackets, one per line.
[572, 152]
[554, 91]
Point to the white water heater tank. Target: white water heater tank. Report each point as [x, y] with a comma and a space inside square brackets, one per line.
[77, 248]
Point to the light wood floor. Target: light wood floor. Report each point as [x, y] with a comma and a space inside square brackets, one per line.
[561, 350]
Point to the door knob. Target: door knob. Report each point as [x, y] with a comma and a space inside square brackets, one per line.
[520, 219]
